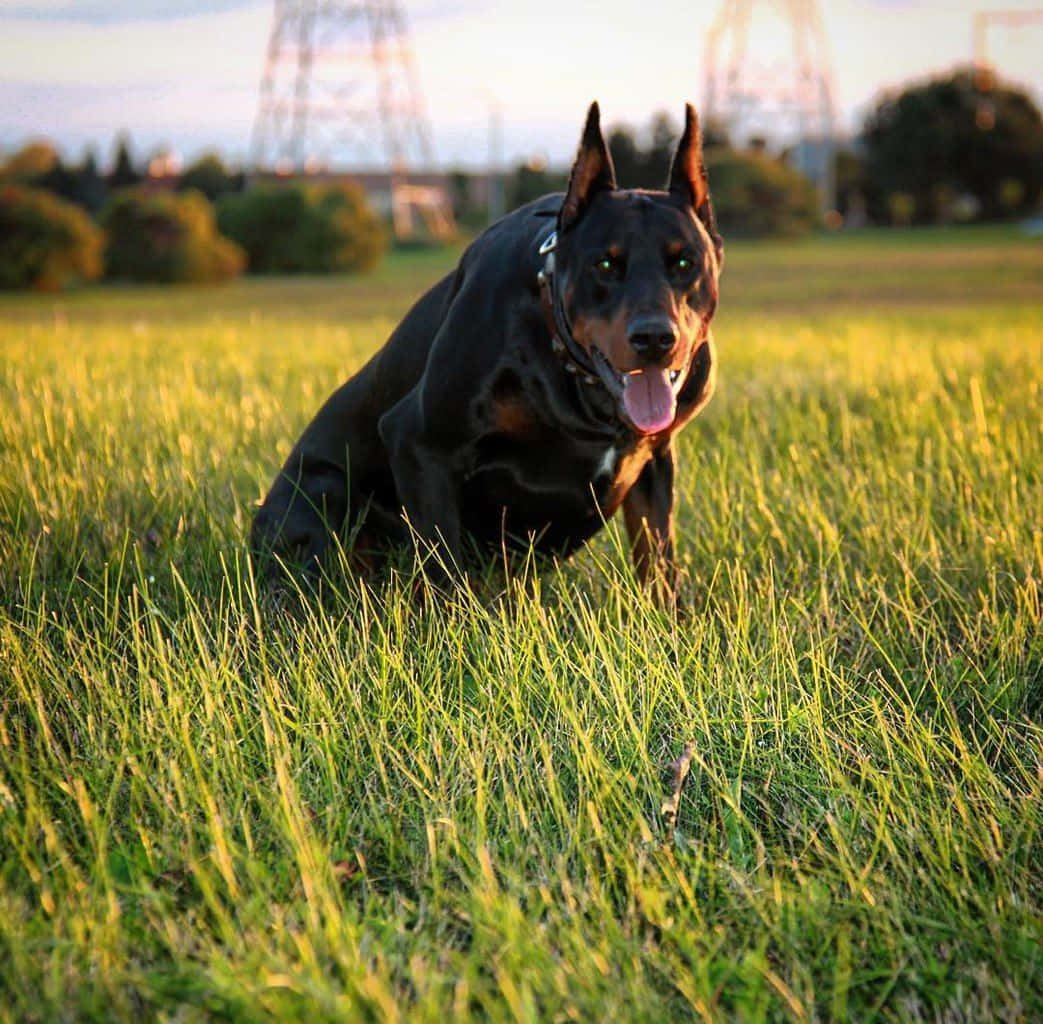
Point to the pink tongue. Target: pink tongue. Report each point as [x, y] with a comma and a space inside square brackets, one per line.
[649, 400]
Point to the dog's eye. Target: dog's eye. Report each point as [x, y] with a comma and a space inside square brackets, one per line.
[609, 266]
[682, 264]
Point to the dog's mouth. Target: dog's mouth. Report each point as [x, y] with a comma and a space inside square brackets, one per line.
[648, 395]
[650, 398]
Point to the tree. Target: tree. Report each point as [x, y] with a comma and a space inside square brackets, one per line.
[39, 166]
[532, 180]
[90, 185]
[945, 138]
[124, 174]
[627, 157]
[849, 182]
[715, 135]
[753, 194]
[640, 167]
[209, 175]
[59, 180]
[663, 135]
[468, 210]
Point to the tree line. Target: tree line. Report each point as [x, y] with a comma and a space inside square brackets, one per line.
[960, 147]
[66, 224]
[964, 146]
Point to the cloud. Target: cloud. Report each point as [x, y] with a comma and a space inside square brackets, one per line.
[109, 12]
[217, 49]
[115, 12]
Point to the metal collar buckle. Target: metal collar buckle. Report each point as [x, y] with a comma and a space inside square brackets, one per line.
[550, 243]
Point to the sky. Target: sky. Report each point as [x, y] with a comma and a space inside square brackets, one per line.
[185, 73]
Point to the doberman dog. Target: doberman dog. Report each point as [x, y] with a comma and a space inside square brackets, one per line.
[530, 393]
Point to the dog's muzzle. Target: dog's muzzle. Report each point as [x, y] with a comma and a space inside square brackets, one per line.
[653, 336]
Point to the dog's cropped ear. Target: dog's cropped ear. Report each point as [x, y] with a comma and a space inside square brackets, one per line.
[591, 173]
[688, 177]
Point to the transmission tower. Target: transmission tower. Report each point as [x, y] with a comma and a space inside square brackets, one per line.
[762, 86]
[340, 87]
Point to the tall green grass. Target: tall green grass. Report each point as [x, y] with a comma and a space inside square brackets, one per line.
[361, 807]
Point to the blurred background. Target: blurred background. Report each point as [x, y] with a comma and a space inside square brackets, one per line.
[173, 140]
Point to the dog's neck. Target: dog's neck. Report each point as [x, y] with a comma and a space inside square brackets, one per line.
[592, 369]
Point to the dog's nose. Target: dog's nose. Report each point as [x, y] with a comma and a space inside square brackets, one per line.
[652, 336]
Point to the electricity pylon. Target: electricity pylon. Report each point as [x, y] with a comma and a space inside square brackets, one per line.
[774, 92]
[340, 89]
[340, 86]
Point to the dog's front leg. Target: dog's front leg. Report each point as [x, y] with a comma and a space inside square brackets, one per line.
[426, 486]
[301, 513]
[308, 501]
[648, 510]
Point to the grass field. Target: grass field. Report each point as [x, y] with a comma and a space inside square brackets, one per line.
[373, 810]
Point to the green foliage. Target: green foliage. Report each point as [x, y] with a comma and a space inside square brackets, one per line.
[296, 228]
[39, 166]
[45, 243]
[124, 173]
[644, 166]
[166, 238]
[88, 186]
[755, 195]
[849, 182]
[209, 175]
[1010, 194]
[468, 212]
[215, 806]
[530, 181]
[966, 132]
[901, 207]
[30, 162]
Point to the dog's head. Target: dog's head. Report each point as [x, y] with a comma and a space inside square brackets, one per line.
[637, 272]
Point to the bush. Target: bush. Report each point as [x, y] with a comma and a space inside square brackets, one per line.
[29, 163]
[210, 176]
[532, 180]
[755, 195]
[965, 131]
[44, 242]
[902, 208]
[166, 237]
[304, 229]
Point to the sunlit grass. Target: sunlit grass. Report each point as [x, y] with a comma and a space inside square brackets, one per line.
[372, 809]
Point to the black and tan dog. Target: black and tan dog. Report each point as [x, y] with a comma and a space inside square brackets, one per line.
[529, 394]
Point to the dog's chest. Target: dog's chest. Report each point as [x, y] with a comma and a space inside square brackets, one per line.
[533, 438]
[596, 476]
[617, 473]
[548, 462]
[606, 467]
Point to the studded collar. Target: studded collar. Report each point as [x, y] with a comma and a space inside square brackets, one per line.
[592, 367]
